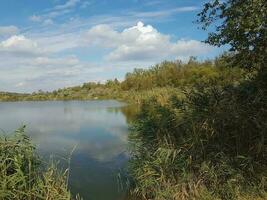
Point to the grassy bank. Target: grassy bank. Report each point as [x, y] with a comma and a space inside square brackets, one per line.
[23, 175]
[210, 144]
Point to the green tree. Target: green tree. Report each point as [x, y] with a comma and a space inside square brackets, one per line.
[240, 24]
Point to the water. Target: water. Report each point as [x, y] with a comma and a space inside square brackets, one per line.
[98, 129]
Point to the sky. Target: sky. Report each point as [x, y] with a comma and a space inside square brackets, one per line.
[51, 44]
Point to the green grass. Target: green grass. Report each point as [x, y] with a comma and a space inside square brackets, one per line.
[209, 144]
[23, 175]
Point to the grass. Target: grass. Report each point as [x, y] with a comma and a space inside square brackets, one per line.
[209, 144]
[23, 175]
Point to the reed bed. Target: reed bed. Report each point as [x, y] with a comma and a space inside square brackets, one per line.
[23, 174]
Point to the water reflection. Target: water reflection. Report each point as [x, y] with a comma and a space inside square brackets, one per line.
[98, 129]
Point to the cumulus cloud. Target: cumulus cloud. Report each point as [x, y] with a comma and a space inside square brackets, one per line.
[47, 60]
[142, 42]
[35, 46]
[8, 30]
[19, 44]
[44, 72]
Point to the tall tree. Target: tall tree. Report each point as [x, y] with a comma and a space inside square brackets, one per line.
[242, 24]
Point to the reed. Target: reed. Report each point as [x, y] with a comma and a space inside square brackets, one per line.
[23, 175]
[210, 144]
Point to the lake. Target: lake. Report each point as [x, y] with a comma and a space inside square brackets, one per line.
[98, 130]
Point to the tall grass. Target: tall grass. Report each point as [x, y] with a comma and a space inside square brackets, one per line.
[23, 175]
[210, 144]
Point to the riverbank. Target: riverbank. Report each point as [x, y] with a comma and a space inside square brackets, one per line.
[209, 145]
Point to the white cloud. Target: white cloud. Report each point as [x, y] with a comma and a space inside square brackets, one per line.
[86, 4]
[142, 42]
[48, 22]
[102, 35]
[35, 18]
[67, 5]
[59, 42]
[164, 13]
[36, 46]
[8, 30]
[55, 62]
[50, 60]
[20, 84]
[58, 10]
[19, 44]
[27, 74]
[153, 3]
[56, 13]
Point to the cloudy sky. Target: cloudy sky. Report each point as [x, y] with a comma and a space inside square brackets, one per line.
[49, 44]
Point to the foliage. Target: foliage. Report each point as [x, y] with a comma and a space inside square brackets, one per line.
[209, 145]
[8, 96]
[159, 80]
[23, 175]
[241, 24]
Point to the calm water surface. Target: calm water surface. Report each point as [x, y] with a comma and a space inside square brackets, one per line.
[98, 129]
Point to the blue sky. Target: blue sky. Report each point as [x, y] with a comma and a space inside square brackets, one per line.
[49, 44]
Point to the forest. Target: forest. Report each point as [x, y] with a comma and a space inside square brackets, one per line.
[201, 132]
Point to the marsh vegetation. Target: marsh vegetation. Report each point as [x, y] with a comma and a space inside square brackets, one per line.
[24, 175]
